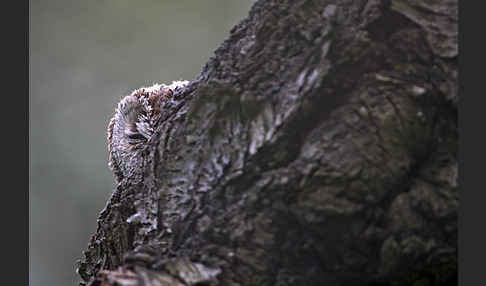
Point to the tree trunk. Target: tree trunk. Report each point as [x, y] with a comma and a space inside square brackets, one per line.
[317, 147]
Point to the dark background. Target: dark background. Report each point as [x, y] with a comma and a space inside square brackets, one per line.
[84, 55]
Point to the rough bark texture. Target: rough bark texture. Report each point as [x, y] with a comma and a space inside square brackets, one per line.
[318, 147]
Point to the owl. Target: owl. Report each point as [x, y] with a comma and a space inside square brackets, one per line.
[134, 123]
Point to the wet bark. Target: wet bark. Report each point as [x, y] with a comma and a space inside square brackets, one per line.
[317, 147]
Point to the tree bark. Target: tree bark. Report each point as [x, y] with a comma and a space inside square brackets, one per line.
[317, 147]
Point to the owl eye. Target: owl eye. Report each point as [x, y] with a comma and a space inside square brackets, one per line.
[134, 137]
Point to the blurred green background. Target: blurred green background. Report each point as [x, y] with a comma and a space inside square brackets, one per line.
[84, 55]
